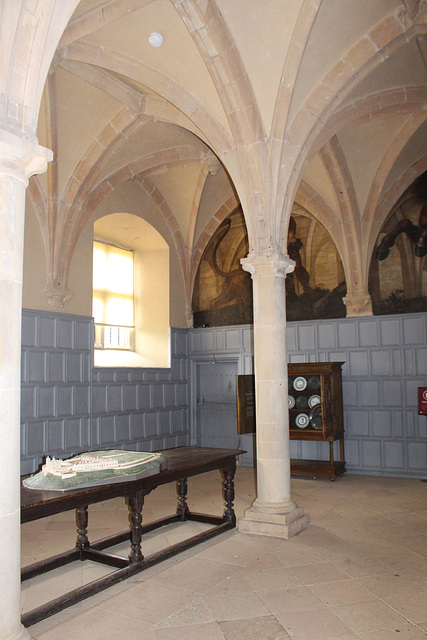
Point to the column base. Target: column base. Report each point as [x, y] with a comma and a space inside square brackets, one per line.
[283, 525]
[21, 634]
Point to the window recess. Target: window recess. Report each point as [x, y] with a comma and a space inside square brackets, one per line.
[113, 297]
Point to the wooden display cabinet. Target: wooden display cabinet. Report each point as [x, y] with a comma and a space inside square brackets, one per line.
[316, 413]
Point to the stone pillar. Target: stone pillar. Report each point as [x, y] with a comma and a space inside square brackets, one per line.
[273, 512]
[19, 159]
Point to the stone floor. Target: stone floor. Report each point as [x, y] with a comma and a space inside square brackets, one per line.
[359, 571]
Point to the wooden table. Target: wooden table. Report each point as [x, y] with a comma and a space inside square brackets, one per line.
[183, 462]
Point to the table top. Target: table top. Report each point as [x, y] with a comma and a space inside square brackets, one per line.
[182, 462]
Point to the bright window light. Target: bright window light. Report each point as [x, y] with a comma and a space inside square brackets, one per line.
[112, 307]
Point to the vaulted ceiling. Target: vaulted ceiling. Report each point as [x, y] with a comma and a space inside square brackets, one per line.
[331, 94]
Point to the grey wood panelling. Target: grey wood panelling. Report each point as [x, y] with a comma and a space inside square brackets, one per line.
[385, 362]
[68, 406]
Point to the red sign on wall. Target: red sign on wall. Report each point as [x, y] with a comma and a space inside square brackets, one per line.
[422, 401]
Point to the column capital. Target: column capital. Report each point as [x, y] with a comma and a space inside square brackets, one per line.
[57, 295]
[358, 304]
[270, 262]
[20, 157]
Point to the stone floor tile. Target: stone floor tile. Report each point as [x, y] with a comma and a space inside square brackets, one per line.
[342, 592]
[370, 616]
[293, 599]
[318, 573]
[243, 578]
[265, 628]
[149, 601]
[197, 574]
[271, 578]
[413, 608]
[195, 613]
[407, 632]
[390, 584]
[98, 624]
[207, 631]
[235, 606]
[320, 624]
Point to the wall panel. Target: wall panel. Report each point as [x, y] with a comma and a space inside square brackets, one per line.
[385, 362]
[68, 406]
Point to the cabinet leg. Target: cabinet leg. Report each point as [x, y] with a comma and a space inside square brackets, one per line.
[342, 457]
[331, 460]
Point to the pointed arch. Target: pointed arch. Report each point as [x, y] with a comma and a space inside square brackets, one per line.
[372, 221]
[173, 93]
[251, 170]
[309, 123]
[390, 197]
[207, 233]
[25, 60]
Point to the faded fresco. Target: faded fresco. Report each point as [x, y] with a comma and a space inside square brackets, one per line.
[398, 272]
[223, 291]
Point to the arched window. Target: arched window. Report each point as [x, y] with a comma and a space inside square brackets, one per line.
[130, 293]
[113, 297]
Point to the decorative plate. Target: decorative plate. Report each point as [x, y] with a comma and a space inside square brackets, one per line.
[302, 420]
[302, 402]
[291, 402]
[314, 383]
[313, 401]
[300, 383]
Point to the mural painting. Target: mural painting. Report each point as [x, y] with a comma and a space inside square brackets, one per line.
[223, 291]
[398, 272]
[316, 287]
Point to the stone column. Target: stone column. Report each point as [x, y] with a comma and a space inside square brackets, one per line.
[273, 512]
[19, 159]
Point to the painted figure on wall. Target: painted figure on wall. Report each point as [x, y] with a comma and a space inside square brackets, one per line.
[316, 287]
[398, 273]
[223, 291]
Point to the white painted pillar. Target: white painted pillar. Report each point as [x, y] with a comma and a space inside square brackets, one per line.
[19, 159]
[273, 512]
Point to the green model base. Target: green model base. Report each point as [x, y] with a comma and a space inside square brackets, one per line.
[151, 464]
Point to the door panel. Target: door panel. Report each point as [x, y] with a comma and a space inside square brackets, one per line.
[217, 404]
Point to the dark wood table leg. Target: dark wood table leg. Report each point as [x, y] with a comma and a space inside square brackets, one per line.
[136, 503]
[229, 515]
[182, 508]
[82, 518]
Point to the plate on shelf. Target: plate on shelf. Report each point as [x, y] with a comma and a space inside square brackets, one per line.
[302, 402]
[291, 402]
[302, 420]
[313, 401]
[314, 383]
[300, 383]
[316, 417]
